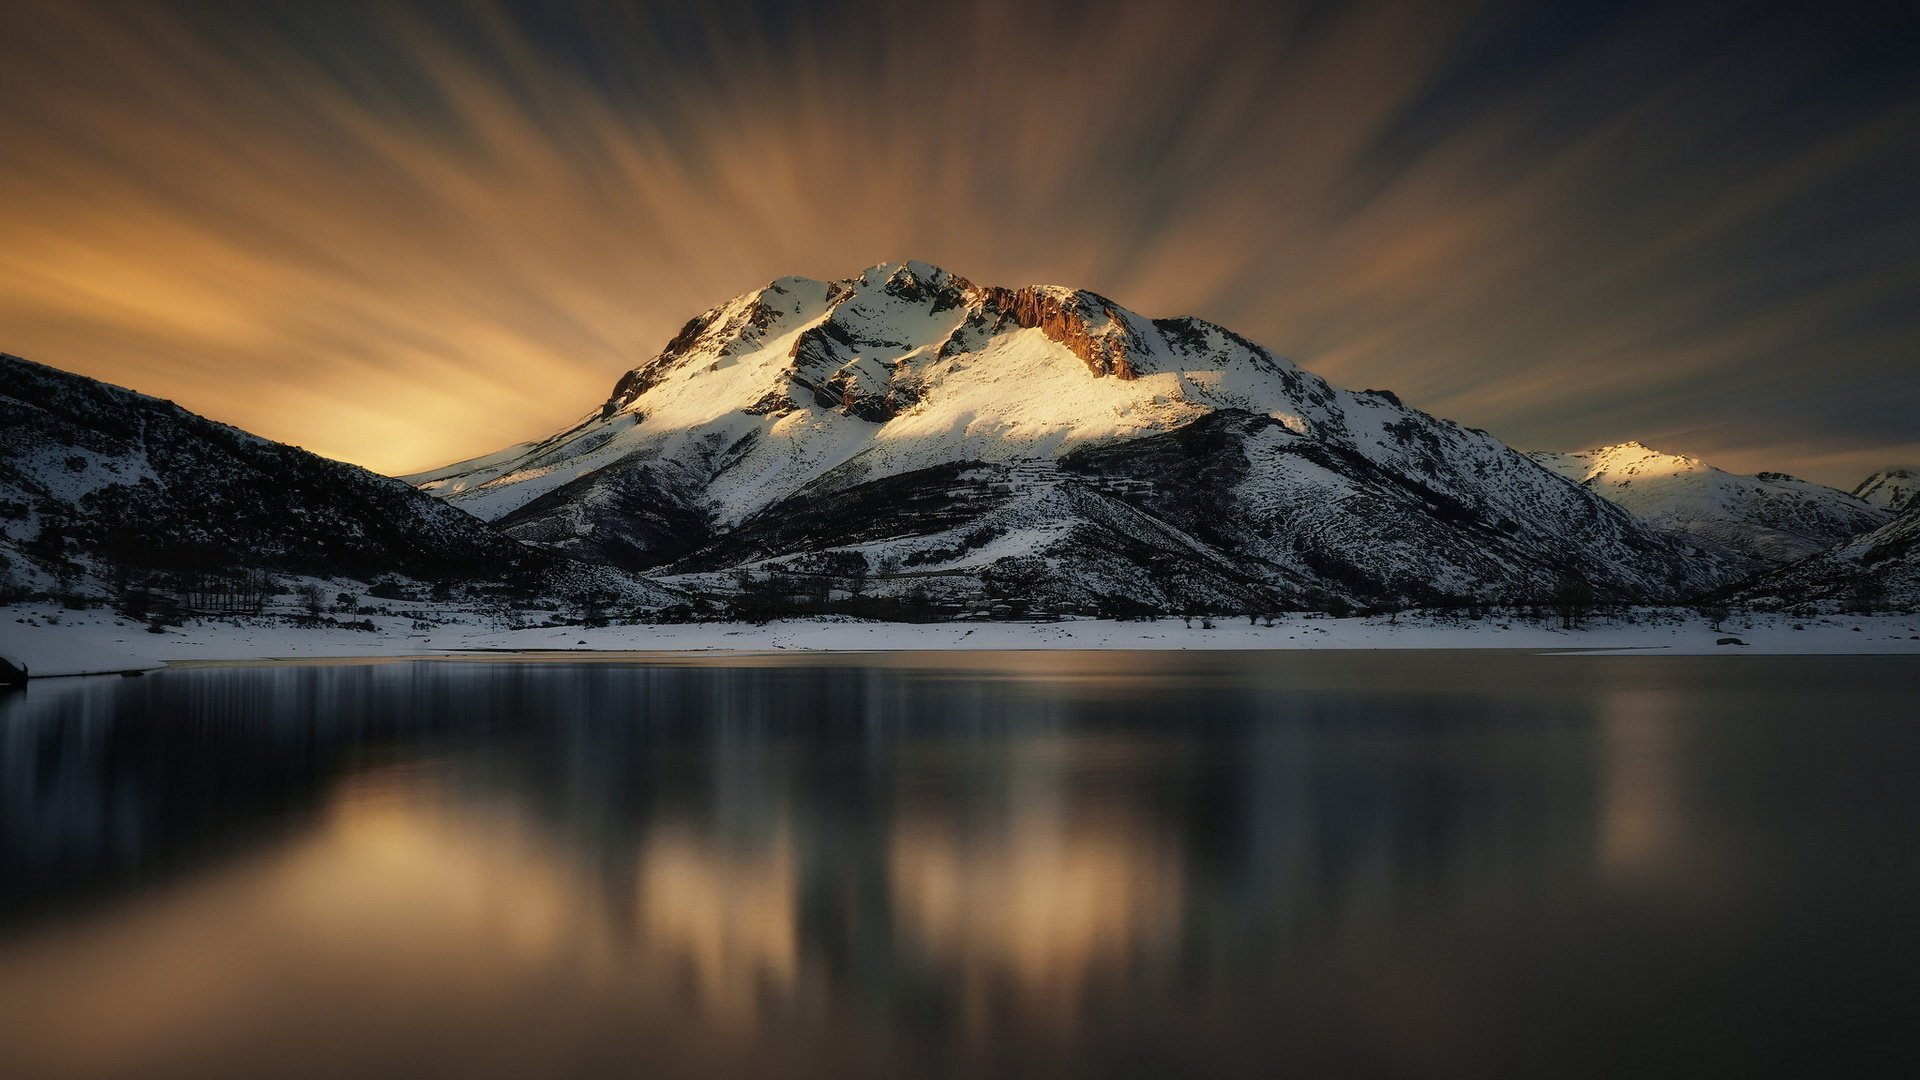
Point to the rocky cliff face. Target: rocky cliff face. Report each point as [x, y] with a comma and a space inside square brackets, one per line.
[1088, 326]
[947, 434]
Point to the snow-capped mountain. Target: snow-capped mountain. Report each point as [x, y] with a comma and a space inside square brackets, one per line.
[976, 441]
[1763, 520]
[1877, 571]
[1890, 489]
[96, 479]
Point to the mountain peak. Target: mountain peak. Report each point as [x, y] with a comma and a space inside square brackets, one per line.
[911, 269]
[1770, 517]
[1893, 489]
[1630, 458]
[961, 433]
[869, 345]
[1636, 448]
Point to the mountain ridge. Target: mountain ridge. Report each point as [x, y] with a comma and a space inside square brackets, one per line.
[98, 482]
[1876, 571]
[1760, 521]
[809, 390]
[1892, 489]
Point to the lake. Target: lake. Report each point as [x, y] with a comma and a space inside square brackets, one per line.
[922, 865]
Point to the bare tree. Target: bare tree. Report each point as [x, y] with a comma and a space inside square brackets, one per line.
[1714, 611]
[312, 599]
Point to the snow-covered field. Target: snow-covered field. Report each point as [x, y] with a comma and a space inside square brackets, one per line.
[86, 642]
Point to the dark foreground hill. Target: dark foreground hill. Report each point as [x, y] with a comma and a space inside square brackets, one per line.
[98, 482]
[1879, 571]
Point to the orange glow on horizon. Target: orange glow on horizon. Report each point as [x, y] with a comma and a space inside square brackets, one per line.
[444, 240]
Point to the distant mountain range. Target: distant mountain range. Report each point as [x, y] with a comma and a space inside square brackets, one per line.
[909, 435]
[1755, 521]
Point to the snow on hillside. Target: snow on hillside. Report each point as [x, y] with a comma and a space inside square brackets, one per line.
[80, 643]
[1767, 519]
[808, 390]
[102, 485]
[781, 366]
[1876, 571]
[436, 479]
[1889, 489]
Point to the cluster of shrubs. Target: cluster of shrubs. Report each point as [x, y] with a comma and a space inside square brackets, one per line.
[971, 540]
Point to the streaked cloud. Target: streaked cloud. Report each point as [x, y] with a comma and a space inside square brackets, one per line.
[401, 235]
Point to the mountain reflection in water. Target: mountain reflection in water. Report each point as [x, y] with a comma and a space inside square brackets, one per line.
[1443, 864]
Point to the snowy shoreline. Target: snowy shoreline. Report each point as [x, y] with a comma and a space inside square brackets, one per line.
[54, 642]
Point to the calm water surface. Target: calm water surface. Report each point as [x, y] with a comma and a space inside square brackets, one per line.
[1388, 864]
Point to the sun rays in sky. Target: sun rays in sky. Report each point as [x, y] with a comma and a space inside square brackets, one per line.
[401, 235]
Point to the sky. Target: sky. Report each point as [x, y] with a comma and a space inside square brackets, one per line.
[403, 234]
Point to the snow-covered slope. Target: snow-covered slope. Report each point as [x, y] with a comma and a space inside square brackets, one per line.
[1890, 489]
[940, 429]
[1877, 571]
[447, 480]
[97, 481]
[1765, 520]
